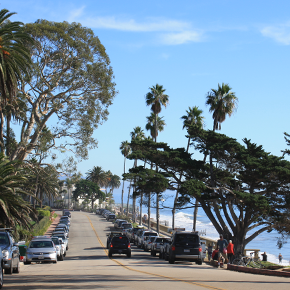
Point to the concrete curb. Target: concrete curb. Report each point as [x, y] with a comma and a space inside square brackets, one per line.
[258, 271]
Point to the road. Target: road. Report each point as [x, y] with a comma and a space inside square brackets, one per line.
[87, 266]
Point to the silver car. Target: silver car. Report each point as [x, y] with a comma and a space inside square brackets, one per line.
[59, 248]
[41, 250]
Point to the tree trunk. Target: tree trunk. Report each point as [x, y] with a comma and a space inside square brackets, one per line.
[157, 212]
[141, 202]
[127, 213]
[195, 215]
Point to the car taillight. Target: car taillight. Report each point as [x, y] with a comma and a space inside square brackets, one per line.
[200, 249]
[173, 248]
[129, 245]
[111, 245]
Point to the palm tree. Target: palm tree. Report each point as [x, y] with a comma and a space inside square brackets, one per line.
[193, 117]
[15, 62]
[156, 98]
[136, 134]
[222, 102]
[97, 175]
[13, 209]
[114, 183]
[150, 126]
[125, 150]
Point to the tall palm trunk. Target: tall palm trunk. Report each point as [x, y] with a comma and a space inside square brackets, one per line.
[127, 213]
[122, 197]
[134, 198]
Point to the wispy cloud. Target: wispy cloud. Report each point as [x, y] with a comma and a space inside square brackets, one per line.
[76, 14]
[280, 33]
[181, 37]
[132, 25]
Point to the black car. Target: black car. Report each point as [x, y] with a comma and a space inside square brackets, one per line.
[185, 246]
[10, 252]
[110, 236]
[120, 245]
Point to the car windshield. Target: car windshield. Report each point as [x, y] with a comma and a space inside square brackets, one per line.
[61, 236]
[186, 239]
[127, 226]
[41, 244]
[4, 240]
[56, 241]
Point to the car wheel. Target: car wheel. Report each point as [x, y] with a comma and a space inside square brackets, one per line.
[54, 262]
[199, 262]
[61, 257]
[66, 247]
[153, 253]
[10, 270]
[1, 278]
[110, 254]
[160, 255]
[64, 254]
[165, 257]
[27, 263]
[17, 269]
[129, 255]
[171, 260]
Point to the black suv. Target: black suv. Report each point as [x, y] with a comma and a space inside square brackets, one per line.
[10, 252]
[120, 245]
[185, 246]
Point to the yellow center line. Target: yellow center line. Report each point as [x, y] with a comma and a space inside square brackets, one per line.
[148, 273]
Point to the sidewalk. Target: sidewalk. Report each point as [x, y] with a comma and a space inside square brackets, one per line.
[52, 226]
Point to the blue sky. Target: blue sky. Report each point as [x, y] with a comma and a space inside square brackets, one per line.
[188, 47]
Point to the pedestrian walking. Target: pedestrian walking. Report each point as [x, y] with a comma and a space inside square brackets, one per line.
[280, 257]
[230, 250]
[222, 246]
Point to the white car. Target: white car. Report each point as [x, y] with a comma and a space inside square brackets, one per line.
[144, 234]
[41, 250]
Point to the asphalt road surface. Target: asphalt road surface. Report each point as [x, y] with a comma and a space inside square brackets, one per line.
[87, 266]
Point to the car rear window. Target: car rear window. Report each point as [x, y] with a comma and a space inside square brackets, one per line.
[120, 240]
[150, 234]
[186, 239]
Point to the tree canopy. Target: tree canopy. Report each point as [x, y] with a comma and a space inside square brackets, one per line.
[69, 92]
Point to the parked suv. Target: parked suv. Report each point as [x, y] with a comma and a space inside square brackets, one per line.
[141, 238]
[10, 252]
[185, 246]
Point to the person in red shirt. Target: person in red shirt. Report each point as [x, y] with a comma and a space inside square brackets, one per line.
[230, 250]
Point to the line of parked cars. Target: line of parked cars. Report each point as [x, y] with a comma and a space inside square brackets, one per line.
[50, 248]
[181, 246]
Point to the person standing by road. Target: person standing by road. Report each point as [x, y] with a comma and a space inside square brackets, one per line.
[280, 258]
[222, 246]
[230, 250]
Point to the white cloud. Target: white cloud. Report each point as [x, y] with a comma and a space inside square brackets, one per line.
[131, 25]
[75, 14]
[181, 37]
[280, 33]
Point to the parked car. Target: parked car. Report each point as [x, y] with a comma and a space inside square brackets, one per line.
[137, 234]
[59, 248]
[120, 245]
[148, 242]
[125, 227]
[10, 252]
[156, 245]
[63, 237]
[41, 250]
[141, 238]
[67, 213]
[111, 217]
[185, 246]
[164, 249]
[1, 270]
[131, 233]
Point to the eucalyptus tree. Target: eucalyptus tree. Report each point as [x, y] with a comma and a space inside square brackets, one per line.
[125, 150]
[157, 98]
[15, 64]
[136, 134]
[72, 83]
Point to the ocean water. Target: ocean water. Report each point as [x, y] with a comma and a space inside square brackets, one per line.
[266, 242]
